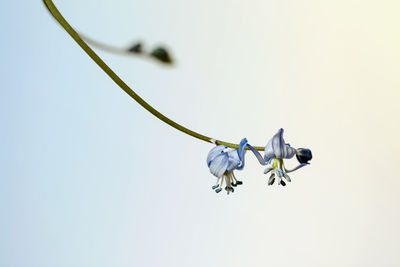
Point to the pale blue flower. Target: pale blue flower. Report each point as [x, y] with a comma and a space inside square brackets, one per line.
[222, 161]
[277, 148]
[275, 151]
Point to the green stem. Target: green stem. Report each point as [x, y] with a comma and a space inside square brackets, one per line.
[110, 48]
[105, 47]
[57, 15]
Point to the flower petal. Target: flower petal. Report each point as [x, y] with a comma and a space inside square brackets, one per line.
[241, 149]
[289, 152]
[234, 160]
[241, 152]
[267, 170]
[219, 164]
[278, 144]
[287, 177]
[215, 151]
[271, 179]
[269, 151]
[276, 147]
[257, 154]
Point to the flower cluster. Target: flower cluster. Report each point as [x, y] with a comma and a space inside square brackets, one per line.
[222, 161]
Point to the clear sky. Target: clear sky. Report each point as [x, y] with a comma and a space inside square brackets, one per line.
[89, 178]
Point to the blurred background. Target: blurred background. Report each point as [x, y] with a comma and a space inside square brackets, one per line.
[89, 178]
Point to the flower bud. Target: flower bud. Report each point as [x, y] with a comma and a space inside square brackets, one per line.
[162, 55]
[136, 48]
[303, 155]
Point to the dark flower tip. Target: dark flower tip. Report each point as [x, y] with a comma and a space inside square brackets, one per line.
[303, 155]
[136, 48]
[162, 55]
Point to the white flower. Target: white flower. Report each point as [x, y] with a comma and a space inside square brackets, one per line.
[222, 161]
[275, 151]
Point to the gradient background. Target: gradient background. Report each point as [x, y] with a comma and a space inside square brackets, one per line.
[89, 178]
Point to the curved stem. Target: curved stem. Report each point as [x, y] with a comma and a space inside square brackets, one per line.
[110, 48]
[57, 15]
[103, 46]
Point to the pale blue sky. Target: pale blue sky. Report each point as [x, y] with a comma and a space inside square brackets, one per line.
[89, 178]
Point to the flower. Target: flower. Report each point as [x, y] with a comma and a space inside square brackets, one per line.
[222, 161]
[275, 151]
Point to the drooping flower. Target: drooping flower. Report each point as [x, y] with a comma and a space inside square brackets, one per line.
[275, 151]
[222, 161]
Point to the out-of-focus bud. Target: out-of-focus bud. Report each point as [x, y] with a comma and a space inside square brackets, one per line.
[161, 54]
[136, 48]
